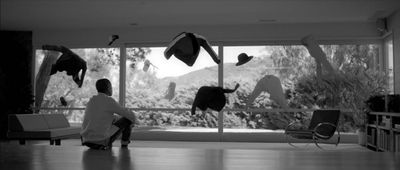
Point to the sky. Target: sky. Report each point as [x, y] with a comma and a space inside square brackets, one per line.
[174, 67]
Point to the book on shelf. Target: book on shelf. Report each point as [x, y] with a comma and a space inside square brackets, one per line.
[397, 142]
[384, 140]
[371, 137]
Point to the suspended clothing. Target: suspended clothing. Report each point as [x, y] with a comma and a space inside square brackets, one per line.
[211, 97]
[272, 85]
[186, 47]
[69, 62]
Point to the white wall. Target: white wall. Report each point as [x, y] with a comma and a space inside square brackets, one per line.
[394, 26]
[266, 33]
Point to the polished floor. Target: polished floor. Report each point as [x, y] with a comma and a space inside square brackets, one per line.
[157, 155]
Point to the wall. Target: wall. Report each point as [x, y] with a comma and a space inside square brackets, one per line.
[394, 26]
[16, 93]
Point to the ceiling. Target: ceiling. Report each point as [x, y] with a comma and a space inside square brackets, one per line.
[105, 14]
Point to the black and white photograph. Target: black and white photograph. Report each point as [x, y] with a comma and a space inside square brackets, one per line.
[200, 84]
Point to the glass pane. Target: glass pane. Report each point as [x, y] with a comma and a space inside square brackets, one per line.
[389, 57]
[301, 86]
[167, 84]
[101, 63]
[74, 116]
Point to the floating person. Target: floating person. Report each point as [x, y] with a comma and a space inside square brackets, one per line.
[186, 47]
[272, 85]
[211, 97]
[69, 62]
[170, 94]
[63, 101]
[243, 58]
[112, 38]
[320, 57]
[146, 65]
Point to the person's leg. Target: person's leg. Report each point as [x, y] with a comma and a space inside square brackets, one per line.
[95, 145]
[125, 129]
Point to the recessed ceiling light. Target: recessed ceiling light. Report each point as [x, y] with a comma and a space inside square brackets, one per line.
[267, 20]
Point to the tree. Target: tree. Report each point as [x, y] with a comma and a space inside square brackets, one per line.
[101, 63]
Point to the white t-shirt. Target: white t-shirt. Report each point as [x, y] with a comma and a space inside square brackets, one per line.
[99, 116]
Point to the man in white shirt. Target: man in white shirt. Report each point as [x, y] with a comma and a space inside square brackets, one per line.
[100, 126]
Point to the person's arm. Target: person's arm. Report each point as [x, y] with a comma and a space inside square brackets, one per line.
[194, 105]
[171, 46]
[116, 108]
[231, 90]
[84, 67]
[194, 108]
[169, 51]
[260, 87]
[204, 43]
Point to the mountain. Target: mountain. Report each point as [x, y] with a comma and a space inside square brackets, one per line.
[232, 73]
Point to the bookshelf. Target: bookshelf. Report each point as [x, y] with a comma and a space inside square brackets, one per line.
[383, 131]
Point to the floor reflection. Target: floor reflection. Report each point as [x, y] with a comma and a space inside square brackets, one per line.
[98, 159]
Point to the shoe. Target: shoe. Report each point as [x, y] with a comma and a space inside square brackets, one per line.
[124, 144]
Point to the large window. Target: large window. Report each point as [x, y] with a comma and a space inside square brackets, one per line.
[161, 91]
[101, 63]
[302, 88]
[152, 81]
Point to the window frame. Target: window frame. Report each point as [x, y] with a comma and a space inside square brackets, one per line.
[221, 45]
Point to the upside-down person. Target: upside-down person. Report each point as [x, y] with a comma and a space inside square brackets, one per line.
[272, 85]
[69, 62]
[211, 97]
[186, 47]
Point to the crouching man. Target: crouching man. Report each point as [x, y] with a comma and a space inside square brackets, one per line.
[100, 127]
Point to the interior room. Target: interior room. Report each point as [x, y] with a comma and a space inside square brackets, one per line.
[188, 84]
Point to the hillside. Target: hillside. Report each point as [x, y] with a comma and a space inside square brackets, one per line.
[208, 76]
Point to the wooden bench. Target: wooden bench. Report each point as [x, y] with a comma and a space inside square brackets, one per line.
[53, 127]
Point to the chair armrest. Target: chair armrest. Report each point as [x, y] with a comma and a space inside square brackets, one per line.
[320, 125]
[290, 125]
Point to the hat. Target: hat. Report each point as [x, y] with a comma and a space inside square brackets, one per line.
[243, 58]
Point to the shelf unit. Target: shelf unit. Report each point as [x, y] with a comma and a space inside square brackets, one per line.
[383, 131]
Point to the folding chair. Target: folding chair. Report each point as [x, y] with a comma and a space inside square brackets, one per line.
[322, 127]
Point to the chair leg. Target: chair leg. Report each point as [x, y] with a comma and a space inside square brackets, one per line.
[338, 140]
[287, 140]
[336, 144]
[316, 143]
[51, 142]
[291, 144]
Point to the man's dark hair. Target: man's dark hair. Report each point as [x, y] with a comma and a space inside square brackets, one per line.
[102, 85]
